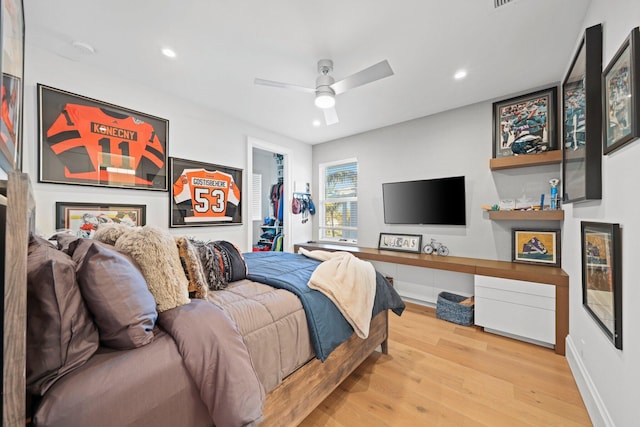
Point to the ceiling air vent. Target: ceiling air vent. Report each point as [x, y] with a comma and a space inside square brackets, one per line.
[498, 3]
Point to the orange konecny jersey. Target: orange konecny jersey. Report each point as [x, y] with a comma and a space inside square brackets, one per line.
[209, 192]
[87, 140]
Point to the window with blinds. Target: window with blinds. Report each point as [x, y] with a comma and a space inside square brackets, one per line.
[338, 211]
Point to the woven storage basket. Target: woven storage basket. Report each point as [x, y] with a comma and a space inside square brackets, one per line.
[449, 308]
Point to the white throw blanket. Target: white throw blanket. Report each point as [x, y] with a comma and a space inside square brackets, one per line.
[349, 282]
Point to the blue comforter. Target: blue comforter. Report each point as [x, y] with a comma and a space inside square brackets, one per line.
[327, 326]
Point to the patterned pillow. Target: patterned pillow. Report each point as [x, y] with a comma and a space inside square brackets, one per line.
[222, 262]
[190, 260]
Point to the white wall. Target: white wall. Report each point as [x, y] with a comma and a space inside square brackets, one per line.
[456, 142]
[194, 133]
[608, 377]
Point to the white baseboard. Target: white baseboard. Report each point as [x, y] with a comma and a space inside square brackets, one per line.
[592, 400]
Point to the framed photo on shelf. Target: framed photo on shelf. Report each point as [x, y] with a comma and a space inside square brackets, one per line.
[88, 142]
[602, 277]
[582, 121]
[400, 242]
[83, 219]
[536, 247]
[529, 121]
[621, 98]
[12, 65]
[204, 194]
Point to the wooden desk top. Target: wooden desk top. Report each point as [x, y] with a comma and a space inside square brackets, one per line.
[505, 269]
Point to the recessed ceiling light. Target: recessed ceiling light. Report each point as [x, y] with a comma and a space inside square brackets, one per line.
[460, 74]
[316, 123]
[168, 52]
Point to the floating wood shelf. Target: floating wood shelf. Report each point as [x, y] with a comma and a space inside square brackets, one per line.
[546, 158]
[550, 215]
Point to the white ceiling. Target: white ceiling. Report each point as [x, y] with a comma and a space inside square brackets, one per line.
[222, 45]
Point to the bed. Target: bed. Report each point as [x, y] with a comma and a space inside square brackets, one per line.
[154, 383]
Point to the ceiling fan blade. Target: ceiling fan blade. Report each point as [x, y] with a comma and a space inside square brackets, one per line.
[330, 116]
[284, 85]
[368, 75]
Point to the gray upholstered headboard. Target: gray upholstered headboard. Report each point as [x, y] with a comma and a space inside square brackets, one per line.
[19, 219]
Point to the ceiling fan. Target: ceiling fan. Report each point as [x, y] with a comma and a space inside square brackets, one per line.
[327, 88]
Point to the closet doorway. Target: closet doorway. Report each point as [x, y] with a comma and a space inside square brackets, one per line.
[269, 216]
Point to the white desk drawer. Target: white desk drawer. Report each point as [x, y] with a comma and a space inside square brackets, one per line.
[525, 321]
[516, 286]
[515, 307]
[531, 300]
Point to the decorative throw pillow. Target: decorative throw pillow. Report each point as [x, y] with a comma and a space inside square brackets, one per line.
[192, 268]
[221, 261]
[156, 253]
[233, 262]
[110, 232]
[61, 335]
[116, 293]
[211, 262]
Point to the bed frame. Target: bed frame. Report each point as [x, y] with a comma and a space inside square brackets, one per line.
[288, 404]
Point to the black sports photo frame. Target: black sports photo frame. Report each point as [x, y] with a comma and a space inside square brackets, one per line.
[602, 277]
[524, 119]
[582, 121]
[12, 66]
[89, 142]
[204, 194]
[83, 219]
[621, 90]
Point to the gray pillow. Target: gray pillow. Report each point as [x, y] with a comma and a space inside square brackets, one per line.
[116, 293]
[61, 335]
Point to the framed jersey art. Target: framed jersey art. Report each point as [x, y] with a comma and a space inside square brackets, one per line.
[12, 66]
[88, 142]
[204, 194]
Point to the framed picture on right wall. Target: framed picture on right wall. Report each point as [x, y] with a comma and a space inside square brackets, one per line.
[602, 277]
[582, 121]
[620, 81]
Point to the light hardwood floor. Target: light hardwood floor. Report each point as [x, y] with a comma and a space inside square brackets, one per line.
[438, 373]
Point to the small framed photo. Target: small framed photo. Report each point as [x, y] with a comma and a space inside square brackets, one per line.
[525, 124]
[88, 142]
[400, 242]
[621, 98]
[602, 277]
[204, 194]
[536, 247]
[83, 219]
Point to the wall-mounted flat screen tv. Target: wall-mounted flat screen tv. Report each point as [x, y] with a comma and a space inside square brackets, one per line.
[428, 201]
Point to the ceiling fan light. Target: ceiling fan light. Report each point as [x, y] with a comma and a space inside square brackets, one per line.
[325, 100]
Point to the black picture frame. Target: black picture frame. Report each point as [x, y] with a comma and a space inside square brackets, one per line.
[12, 66]
[581, 121]
[602, 277]
[82, 219]
[533, 246]
[400, 242]
[84, 141]
[532, 114]
[204, 194]
[621, 100]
